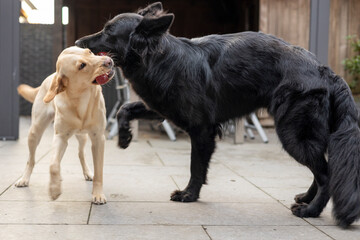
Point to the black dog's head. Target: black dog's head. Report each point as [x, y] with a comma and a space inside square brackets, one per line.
[114, 38]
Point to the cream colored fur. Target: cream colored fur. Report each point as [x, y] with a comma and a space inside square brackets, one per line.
[76, 104]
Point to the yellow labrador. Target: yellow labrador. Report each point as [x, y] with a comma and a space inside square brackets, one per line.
[72, 97]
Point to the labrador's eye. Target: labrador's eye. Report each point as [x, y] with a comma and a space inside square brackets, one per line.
[82, 66]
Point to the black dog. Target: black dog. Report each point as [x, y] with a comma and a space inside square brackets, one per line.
[200, 83]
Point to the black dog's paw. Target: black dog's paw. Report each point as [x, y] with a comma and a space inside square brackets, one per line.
[125, 135]
[124, 138]
[183, 196]
[304, 210]
[302, 198]
[299, 209]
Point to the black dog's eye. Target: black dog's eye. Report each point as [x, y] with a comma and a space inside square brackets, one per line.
[82, 66]
[109, 28]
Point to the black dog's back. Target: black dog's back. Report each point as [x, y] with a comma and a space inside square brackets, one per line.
[225, 70]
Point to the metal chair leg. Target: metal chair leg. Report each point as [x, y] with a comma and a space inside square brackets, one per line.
[248, 130]
[169, 130]
[259, 128]
[113, 130]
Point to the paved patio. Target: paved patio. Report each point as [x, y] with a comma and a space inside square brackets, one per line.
[251, 187]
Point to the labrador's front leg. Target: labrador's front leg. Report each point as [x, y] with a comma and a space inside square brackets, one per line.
[60, 143]
[98, 144]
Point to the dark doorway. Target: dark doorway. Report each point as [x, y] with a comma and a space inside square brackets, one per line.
[192, 18]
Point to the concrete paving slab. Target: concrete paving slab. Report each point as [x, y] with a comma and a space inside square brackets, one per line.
[101, 232]
[138, 153]
[197, 213]
[131, 186]
[271, 169]
[353, 233]
[326, 218]
[74, 189]
[265, 232]
[179, 144]
[13, 149]
[30, 212]
[171, 157]
[284, 195]
[9, 173]
[230, 188]
[279, 182]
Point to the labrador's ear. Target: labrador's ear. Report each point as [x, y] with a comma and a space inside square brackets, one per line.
[151, 10]
[57, 86]
[155, 26]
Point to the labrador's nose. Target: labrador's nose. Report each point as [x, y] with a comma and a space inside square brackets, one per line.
[108, 62]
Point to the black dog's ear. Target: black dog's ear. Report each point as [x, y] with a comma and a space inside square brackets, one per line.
[155, 25]
[151, 10]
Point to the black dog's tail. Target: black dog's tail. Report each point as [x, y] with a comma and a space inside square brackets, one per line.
[344, 153]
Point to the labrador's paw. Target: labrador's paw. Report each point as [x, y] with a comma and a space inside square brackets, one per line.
[55, 190]
[99, 199]
[22, 182]
[88, 176]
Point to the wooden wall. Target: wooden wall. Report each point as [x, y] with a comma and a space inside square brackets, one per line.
[193, 18]
[344, 21]
[287, 19]
[290, 20]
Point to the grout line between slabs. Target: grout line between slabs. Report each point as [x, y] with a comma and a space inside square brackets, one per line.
[88, 220]
[162, 163]
[206, 232]
[172, 178]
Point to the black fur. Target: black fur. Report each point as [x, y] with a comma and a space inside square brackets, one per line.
[200, 83]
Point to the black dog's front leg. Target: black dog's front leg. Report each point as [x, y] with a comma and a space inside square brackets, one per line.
[202, 147]
[131, 111]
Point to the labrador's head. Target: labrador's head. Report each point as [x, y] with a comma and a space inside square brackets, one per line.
[79, 68]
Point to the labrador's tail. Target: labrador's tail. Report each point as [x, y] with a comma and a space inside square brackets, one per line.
[27, 92]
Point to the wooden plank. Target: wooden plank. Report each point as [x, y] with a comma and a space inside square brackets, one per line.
[239, 131]
[343, 32]
[292, 26]
[304, 23]
[263, 26]
[71, 27]
[57, 32]
[288, 20]
[332, 33]
[353, 21]
[338, 45]
[353, 29]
